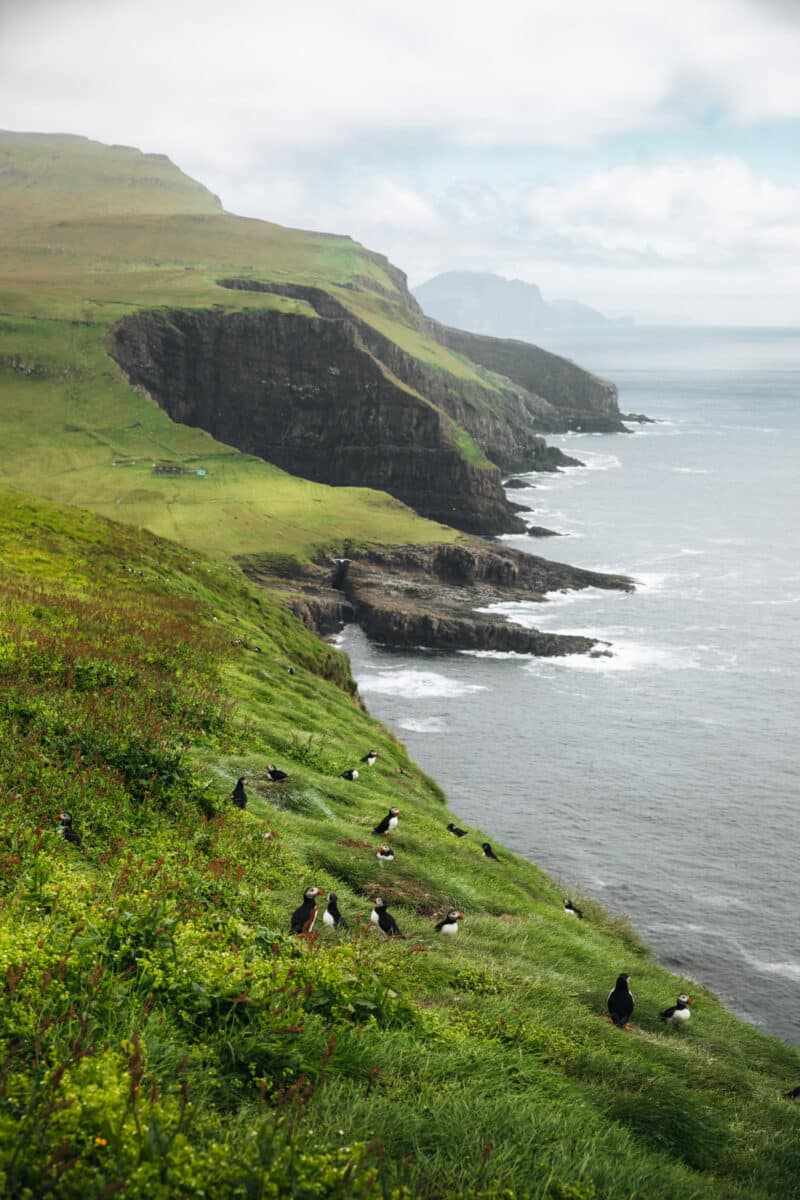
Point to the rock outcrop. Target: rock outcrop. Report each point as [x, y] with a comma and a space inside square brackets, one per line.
[430, 596]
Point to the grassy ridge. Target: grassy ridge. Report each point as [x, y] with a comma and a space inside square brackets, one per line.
[162, 1033]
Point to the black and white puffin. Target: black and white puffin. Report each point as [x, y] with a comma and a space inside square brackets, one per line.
[679, 1013]
[303, 918]
[620, 1002]
[274, 774]
[381, 917]
[67, 832]
[332, 916]
[794, 1094]
[450, 924]
[572, 911]
[389, 823]
[455, 829]
[385, 854]
[488, 851]
[351, 774]
[369, 758]
[239, 795]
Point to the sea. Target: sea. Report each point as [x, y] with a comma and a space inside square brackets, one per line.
[663, 781]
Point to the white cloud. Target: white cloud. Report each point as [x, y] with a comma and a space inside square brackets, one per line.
[329, 115]
[702, 211]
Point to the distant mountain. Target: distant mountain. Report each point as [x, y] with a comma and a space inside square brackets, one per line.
[505, 308]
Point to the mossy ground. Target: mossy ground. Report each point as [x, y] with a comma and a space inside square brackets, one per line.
[164, 1035]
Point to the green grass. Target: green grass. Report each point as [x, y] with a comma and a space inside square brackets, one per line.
[162, 1033]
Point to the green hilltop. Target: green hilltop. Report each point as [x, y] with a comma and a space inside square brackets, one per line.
[163, 1035]
[92, 233]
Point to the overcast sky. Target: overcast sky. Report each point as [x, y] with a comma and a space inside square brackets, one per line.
[639, 155]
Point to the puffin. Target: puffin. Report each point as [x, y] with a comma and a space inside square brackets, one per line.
[794, 1094]
[455, 830]
[239, 795]
[303, 918]
[290, 670]
[620, 1002]
[385, 854]
[488, 851]
[332, 916]
[352, 774]
[572, 911]
[679, 1013]
[389, 823]
[381, 917]
[274, 774]
[369, 758]
[450, 924]
[67, 832]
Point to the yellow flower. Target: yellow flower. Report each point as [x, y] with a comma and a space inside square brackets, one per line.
[98, 1141]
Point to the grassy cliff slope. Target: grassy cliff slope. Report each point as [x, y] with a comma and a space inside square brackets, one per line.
[162, 1033]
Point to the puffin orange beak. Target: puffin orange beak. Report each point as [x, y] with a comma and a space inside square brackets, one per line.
[688, 1002]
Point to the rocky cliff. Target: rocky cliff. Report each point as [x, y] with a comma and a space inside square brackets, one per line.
[501, 416]
[433, 596]
[307, 394]
[575, 398]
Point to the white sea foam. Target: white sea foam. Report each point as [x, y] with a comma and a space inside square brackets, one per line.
[500, 654]
[423, 724]
[625, 656]
[787, 970]
[412, 683]
[787, 600]
[692, 471]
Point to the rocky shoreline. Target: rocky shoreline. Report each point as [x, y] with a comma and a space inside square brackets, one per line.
[430, 595]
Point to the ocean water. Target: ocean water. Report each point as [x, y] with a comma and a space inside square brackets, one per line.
[663, 781]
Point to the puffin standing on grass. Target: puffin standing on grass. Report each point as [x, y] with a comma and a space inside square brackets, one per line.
[679, 1013]
[620, 1002]
[351, 774]
[449, 925]
[385, 854]
[303, 918]
[274, 774]
[454, 829]
[572, 911]
[239, 795]
[389, 823]
[332, 916]
[488, 851]
[67, 832]
[794, 1094]
[369, 758]
[381, 917]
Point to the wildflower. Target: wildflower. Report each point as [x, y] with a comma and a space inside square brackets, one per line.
[101, 1141]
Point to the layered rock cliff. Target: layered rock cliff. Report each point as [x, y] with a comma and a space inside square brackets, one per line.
[306, 394]
[576, 399]
[434, 596]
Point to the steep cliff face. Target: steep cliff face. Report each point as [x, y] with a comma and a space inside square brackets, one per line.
[307, 395]
[576, 398]
[503, 418]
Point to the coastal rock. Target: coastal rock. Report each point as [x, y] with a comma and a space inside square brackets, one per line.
[429, 595]
[542, 531]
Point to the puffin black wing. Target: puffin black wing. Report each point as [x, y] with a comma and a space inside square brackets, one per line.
[620, 1001]
[794, 1094]
[668, 1012]
[383, 827]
